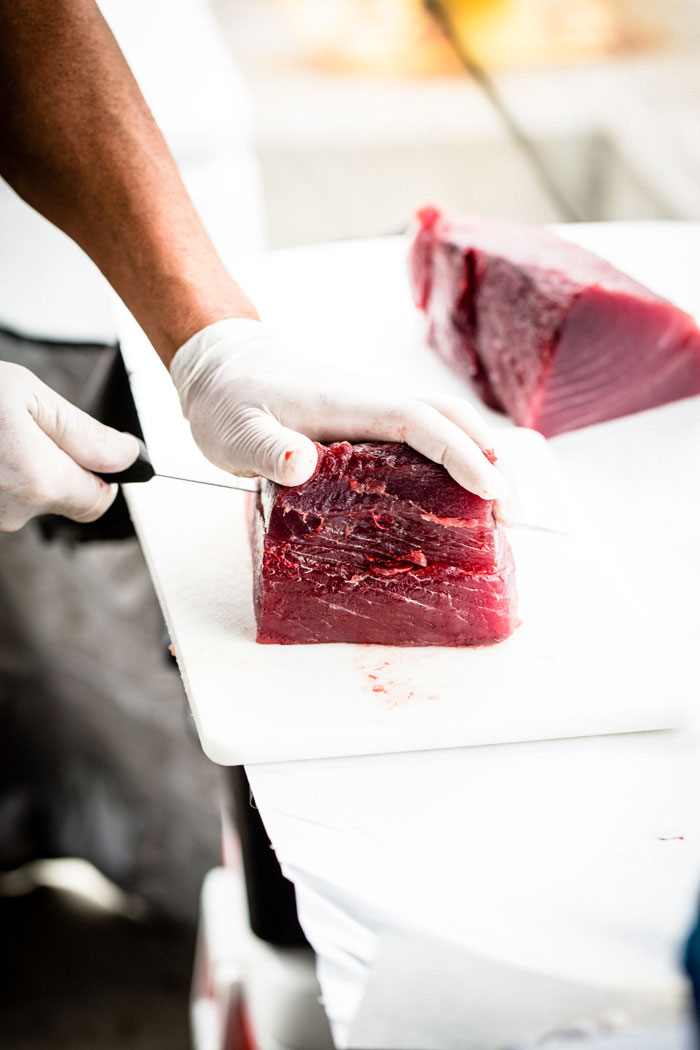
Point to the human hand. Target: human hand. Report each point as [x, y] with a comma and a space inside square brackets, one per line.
[255, 409]
[48, 448]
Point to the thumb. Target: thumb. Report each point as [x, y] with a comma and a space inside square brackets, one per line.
[276, 452]
[88, 442]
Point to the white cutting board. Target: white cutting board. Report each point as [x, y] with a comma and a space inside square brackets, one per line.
[610, 617]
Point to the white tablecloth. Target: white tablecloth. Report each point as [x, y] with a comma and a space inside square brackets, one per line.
[478, 898]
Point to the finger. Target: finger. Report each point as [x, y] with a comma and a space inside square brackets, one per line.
[58, 485]
[430, 432]
[439, 439]
[423, 427]
[85, 501]
[505, 511]
[469, 419]
[264, 447]
[86, 441]
[77, 494]
[465, 416]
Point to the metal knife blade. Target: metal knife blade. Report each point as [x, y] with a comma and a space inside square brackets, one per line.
[142, 470]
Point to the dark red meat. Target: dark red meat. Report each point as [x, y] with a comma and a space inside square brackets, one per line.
[380, 545]
[545, 330]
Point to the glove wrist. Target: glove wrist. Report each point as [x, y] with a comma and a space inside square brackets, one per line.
[193, 357]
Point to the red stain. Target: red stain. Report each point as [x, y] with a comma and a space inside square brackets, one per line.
[670, 838]
[288, 454]
[398, 700]
[395, 693]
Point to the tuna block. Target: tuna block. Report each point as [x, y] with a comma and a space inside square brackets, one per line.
[382, 546]
[547, 331]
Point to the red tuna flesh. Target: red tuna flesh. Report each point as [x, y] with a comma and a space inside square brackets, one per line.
[547, 331]
[380, 546]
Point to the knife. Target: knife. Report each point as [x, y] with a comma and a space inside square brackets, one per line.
[537, 509]
[142, 470]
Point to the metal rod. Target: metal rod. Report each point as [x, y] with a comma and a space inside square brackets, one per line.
[243, 484]
[558, 199]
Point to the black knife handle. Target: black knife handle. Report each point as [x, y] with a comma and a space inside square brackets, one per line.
[140, 470]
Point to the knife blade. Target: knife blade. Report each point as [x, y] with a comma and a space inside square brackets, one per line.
[142, 470]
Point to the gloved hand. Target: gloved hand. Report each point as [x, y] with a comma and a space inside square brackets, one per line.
[47, 449]
[253, 408]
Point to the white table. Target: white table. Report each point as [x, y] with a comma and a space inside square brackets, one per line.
[500, 892]
[473, 897]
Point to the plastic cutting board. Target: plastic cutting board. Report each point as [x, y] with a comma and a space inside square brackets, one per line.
[608, 641]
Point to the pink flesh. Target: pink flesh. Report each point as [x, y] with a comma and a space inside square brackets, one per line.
[547, 331]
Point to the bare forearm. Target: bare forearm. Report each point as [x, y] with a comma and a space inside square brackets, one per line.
[79, 144]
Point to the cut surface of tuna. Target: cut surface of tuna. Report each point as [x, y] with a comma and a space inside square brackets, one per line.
[379, 546]
[545, 330]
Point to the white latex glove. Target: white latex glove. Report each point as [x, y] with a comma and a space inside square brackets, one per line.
[47, 449]
[253, 408]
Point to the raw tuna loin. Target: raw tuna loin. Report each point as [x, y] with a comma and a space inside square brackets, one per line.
[547, 331]
[380, 545]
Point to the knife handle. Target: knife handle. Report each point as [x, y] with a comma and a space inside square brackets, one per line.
[140, 470]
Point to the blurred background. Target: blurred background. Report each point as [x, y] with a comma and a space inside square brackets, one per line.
[293, 122]
[572, 109]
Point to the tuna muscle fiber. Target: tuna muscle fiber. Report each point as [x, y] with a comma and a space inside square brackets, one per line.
[379, 546]
[547, 331]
